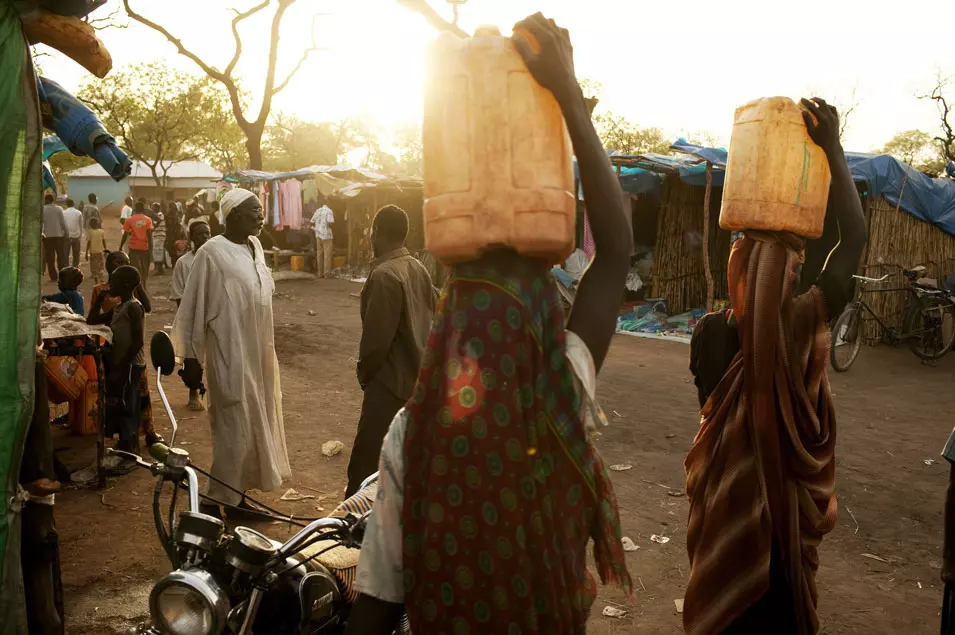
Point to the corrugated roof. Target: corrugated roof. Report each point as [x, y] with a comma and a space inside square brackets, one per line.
[178, 170]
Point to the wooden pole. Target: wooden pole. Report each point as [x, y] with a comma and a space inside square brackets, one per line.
[706, 237]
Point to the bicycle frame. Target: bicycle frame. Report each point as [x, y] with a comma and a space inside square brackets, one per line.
[892, 334]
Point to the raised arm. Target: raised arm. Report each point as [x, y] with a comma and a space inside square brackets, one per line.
[600, 291]
[844, 202]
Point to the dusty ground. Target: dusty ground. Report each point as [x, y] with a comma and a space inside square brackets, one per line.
[893, 419]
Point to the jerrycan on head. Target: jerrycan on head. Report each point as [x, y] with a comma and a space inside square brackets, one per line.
[498, 168]
[777, 178]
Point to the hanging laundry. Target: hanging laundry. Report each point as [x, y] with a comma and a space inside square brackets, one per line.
[291, 203]
[274, 201]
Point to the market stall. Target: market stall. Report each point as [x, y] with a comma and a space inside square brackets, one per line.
[74, 370]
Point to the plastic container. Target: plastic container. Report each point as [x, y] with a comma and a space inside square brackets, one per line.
[65, 377]
[777, 179]
[498, 168]
[297, 263]
[83, 411]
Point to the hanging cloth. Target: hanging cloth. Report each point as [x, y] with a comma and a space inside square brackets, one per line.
[291, 203]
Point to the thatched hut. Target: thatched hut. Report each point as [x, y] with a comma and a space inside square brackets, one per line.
[898, 241]
[360, 202]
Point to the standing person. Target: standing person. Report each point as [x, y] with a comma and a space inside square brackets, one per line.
[322, 221]
[176, 241]
[54, 237]
[138, 231]
[159, 238]
[69, 280]
[225, 319]
[91, 211]
[74, 232]
[126, 211]
[199, 234]
[96, 251]
[215, 226]
[397, 303]
[761, 473]
[490, 485]
[127, 360]
[103, 304]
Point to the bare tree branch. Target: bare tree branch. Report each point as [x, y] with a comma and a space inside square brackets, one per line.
[846, 109]
[946, 143]
[253, 129]
[106, 22]
[208, 70]
[313, 47]
[429, 14]
[235, 33]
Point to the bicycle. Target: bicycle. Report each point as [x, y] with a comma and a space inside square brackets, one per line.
[928, 323]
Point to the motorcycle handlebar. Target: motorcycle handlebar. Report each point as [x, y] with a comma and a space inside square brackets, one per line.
[297, 541]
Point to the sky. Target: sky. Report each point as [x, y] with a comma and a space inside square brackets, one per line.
[682, 66]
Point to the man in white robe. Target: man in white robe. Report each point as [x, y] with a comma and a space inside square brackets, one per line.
[225, 320]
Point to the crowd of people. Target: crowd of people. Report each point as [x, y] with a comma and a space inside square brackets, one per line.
[478, 405]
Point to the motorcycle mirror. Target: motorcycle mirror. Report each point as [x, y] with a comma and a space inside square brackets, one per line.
[162, 354]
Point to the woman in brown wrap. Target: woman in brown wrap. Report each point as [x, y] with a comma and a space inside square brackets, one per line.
[761, 473]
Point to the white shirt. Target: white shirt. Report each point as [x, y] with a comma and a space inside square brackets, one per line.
[126, 212]
[180, 275]
[321, 220]
[74, 222]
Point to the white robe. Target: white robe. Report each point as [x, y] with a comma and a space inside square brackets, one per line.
[180, 274]
[225, 318]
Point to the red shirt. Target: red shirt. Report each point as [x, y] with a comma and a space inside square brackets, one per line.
[138, 226]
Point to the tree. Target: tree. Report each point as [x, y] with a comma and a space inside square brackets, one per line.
[292, 144]
[252, 128]
[432, 16]
[411, 152]
[62, 163]
[154, 111]
[946, 139]
[918, 149]
[219, 142]
[618, 134]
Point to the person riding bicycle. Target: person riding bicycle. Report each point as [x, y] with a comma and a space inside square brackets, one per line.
[761, 472]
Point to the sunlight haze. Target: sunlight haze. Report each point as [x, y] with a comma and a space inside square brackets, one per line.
[683, 67]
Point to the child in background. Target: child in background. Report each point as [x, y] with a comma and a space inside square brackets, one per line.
[69, 279]
[96, 250]
[127, 361]
[104, 303]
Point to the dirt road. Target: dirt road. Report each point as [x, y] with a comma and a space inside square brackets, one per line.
[880, 567]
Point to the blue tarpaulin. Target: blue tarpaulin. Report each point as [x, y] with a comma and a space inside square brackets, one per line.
[928, 199]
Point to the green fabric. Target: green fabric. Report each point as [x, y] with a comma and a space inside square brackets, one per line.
[20, 195]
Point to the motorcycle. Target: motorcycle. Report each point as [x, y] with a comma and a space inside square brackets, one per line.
[241, 582]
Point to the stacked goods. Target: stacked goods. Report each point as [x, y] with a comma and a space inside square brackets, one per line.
[498, 170]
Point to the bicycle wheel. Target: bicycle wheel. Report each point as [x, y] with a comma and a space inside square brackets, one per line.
[931, 328]
[846, 339]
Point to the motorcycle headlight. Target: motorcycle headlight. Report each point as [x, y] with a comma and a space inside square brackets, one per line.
[189, 603]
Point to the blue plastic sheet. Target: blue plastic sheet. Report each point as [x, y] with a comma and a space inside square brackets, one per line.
[928, 199]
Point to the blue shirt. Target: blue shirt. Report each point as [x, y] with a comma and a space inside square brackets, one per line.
[71, 297]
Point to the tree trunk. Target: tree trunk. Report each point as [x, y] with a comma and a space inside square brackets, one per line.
[253, 145]
[707, 272]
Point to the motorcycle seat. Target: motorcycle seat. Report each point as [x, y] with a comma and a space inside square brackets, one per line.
[340, 560]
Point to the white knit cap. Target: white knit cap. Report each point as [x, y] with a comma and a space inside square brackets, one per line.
[232, 199]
